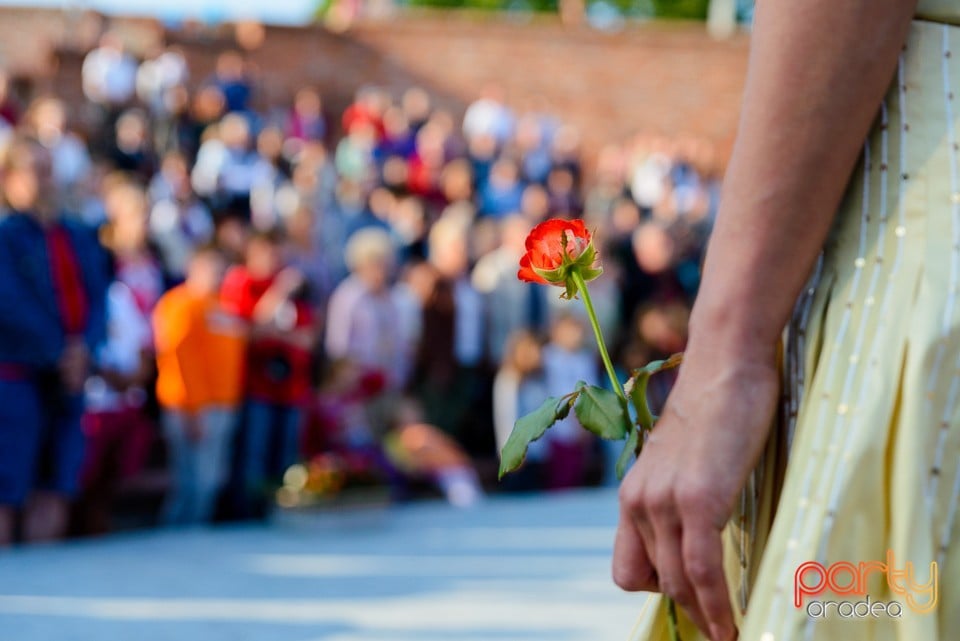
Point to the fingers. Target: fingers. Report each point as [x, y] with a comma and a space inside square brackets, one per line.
[667, 540]
[702, 551]
[632, 569]
[669, 562]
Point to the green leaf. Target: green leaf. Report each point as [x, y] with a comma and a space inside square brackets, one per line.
[637, 388]
[601, 412]
[629, 452]
[529, 428]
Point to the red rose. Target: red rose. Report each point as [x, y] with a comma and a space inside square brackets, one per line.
[556, 250]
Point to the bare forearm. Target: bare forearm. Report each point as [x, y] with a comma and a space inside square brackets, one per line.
[818, 71]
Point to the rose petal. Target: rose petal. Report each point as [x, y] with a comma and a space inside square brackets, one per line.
[527, 273]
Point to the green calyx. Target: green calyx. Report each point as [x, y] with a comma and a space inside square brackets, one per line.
[584, 264]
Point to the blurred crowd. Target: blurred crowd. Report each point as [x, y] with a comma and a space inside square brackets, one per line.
[193, 279]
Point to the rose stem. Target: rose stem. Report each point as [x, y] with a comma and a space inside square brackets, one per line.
[604, 355]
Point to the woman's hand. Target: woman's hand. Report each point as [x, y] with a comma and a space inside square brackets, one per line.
[678, 497]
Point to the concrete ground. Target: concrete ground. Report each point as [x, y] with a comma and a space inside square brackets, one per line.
[520, 568]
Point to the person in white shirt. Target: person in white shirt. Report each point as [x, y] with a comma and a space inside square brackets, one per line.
[365, 319]
[566, 362]
[109, 73]
[489, 116]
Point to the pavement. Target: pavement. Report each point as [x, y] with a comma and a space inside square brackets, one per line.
[522, 568]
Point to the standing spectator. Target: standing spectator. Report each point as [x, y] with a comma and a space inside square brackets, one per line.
[117, 430]
[109, 78]
[565, 363]
[364, 316]
[131, 151]
[225, 168]
[232, 80]
[179, 222]
[307, 121]
[109, 73]
[354, 155]
[511, 303]
[448, 374]
[503, 192]
[533, 145]
[269, 299]
[200, 361]
[269, 201]
[519, 389]
[158, 77]
[303, 252]
[52, 287]
[489, 116]
[366, 111]
[46, 120]
[125, 234]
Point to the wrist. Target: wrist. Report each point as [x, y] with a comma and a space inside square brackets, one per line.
[732, 333]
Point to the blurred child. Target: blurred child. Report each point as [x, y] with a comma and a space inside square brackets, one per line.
[267, 297]
[117, 430]
[200, 358]
[518, 389]
[566, 361]
[125, 236]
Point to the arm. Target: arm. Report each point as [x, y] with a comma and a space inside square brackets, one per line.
[340, 322]
[818, 70]
[817, 73]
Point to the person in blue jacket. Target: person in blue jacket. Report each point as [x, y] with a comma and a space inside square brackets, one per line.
[53, 279]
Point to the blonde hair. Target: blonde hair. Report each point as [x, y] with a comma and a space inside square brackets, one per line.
[369, 246]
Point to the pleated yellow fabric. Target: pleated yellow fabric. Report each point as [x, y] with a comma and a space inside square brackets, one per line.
[866, 457]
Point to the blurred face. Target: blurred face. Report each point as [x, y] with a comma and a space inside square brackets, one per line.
[263, 258]
[205, 274]
[307, 103]
[515, 232]
[28, 182]
[625, 217]
[49, 120]
[535, 203]
[270, 143]
[653, 249]
[504, 173]
[527, 356]
[374, 274]
[451, 258]
[127, 211]
[299, 227]
[234, 132]
[457, 181]
[567, 334]
[230, 66]
[131, 132]
[416, 104]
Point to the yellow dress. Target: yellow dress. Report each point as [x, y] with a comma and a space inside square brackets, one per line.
[866, 457]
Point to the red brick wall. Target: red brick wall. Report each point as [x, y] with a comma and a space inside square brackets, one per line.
[670, 78]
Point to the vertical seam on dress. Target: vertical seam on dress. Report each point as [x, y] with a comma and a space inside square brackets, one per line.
[778, 598]
[944, 428]
[848, 435]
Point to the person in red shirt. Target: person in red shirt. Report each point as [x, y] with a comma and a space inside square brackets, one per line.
[278, 366]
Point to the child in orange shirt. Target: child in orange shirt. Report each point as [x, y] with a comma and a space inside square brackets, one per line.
[200, 358]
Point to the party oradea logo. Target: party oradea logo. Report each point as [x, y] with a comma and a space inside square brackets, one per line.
[813, 582]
